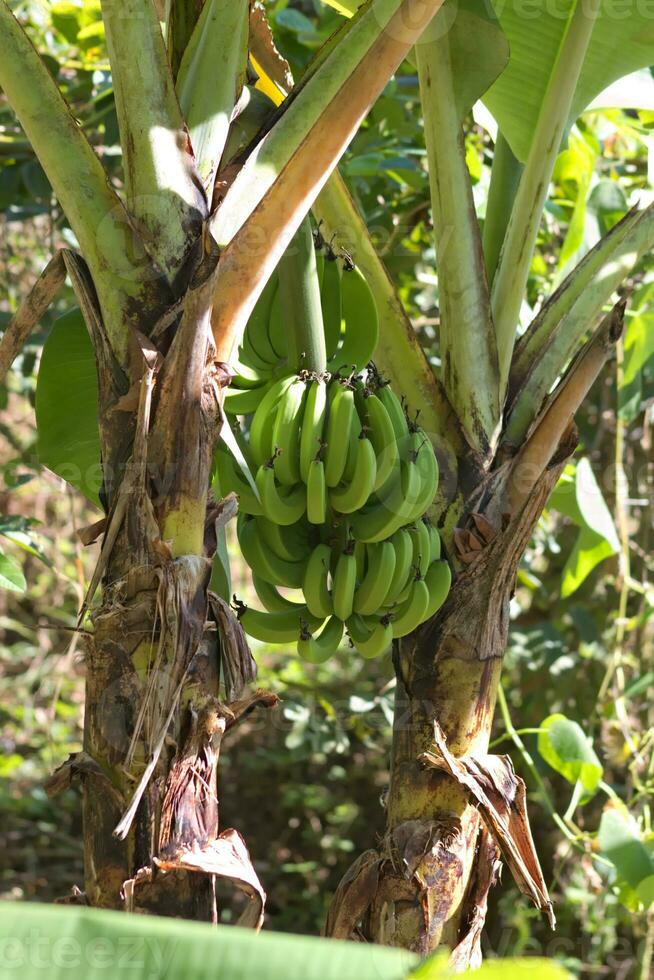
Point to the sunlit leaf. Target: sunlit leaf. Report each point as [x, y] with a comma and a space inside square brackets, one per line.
[564, 746]
[11, 575]
[67, 406]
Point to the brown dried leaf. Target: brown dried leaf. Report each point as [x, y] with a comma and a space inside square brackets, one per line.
[262, 46]
[89, 534]
[353, 897]
[258, 699]
[225, 857]
[485, 528]
[80, 765]
[467, 955]
[237, 663]
[501, 797]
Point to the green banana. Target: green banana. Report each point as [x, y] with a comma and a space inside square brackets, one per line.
[263, 420]
[244, 401]
[344, 584]
[315, 586]
[257, 326]
[290, 542]
[277, 326]
[276, 627]
[352, 448]
[361, 323]
[313, 421]
[427, 468]
[351, 497]
[370, 642]
[282, 509]
[438, 581]
[318, 649]
[263, 559]
[383, 517]
[403, 545]
[286, 433]
[395, 410]
[413, 610]
[341, 409]
[246, 376]
[421, 546]
[232, 481]
[330, 295]
[382, 435]
[372, 592]
[434, 541]
[316, 493]
[272, 600]
[248, 354]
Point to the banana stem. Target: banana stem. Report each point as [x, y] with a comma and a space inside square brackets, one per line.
[300, 293]
[505, 177]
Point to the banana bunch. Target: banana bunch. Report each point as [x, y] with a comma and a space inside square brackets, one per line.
[351, 328]
[335, 510]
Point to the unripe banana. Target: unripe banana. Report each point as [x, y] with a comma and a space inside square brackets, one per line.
[316, 493]
[351, 497]
[339, 423]
[246, 376]
[232, 481]
[278, 326]
[271, 599]
[318, 649]
[427, 467]
[286, 433]
[290, 542]
[403, 545]
[313, 422]
[315, 585]
[343, 585]
[383, 517]
[361, 323]
[244, 401]
[353, 448]
[257, 326]
[421, 547]
[438, 580]
[412, 612]
[263, 421]
[330, 296]
[276, 627]
[248, 354]
[282, 509]
[264, 561]
[382, 435]
[434, 541]
[395, 411]
[372, 592]
[370, 642]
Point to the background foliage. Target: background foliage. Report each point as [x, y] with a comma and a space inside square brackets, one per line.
[305, 785]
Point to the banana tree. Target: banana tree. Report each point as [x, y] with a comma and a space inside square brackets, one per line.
[170, 267]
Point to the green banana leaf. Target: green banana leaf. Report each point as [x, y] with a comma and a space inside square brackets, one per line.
[67, 406]
[622, 42]
[79, 943]
[479, 51]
